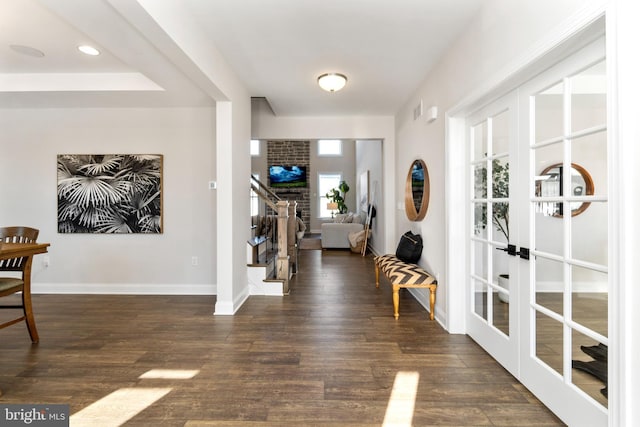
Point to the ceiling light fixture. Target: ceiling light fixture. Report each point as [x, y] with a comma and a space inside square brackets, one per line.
[89, 50]
[332, 82]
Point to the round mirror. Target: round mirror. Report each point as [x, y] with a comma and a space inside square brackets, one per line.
[416, 193]
[551, 182]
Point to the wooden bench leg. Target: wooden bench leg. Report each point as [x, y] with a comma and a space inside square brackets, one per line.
[396, 300]
[432, 301]
[377, 275]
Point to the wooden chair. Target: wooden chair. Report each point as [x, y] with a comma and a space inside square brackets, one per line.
[12, 285]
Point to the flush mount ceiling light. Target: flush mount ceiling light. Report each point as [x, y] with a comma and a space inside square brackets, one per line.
[89, 50]
[332, 82]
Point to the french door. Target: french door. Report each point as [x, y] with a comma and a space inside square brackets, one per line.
[492, 322]
[539, 215]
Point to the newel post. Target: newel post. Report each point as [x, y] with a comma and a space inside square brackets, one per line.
[282, 263]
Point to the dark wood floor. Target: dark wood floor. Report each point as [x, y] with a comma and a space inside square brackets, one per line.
[327, 355]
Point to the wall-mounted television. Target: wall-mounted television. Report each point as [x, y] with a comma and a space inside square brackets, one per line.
[287, 176]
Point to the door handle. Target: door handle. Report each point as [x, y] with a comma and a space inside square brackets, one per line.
[512, 250]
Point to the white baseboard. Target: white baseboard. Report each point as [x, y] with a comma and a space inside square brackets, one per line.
[229, 308]
[124, 288]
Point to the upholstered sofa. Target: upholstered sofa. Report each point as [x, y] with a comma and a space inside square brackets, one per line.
[336, 234]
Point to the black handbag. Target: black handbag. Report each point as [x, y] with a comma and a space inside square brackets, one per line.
[410, 247]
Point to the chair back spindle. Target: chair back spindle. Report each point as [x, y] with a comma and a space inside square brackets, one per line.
[22, 284]
[16, 235]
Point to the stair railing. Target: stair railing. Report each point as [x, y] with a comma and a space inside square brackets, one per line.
[285, 239]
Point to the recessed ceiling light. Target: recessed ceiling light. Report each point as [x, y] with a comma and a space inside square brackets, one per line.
[89, 50]
[332, 82]
[27, 50]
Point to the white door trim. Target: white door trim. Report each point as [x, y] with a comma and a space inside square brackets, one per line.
[624, 132]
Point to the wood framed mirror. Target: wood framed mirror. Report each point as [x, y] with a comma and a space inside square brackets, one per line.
[416, 192]
[551, 184]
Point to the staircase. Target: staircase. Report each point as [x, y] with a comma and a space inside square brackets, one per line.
[271, 250]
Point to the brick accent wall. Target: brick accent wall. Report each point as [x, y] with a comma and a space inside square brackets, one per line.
[291, 153]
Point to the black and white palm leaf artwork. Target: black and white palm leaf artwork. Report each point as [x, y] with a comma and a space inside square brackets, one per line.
[110, 193]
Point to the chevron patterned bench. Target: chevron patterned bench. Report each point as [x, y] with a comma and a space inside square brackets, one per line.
[405, 275]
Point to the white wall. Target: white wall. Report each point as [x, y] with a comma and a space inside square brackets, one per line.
[493, 45]
[184, 41]
[345, 165]
[267, 126]
[83, 263]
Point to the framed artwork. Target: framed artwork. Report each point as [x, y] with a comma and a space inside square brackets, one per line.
[110, 193]
[365, 197]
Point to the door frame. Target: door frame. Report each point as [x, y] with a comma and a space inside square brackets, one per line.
[624, 378]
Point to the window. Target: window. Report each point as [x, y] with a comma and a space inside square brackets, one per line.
[255, 201]
[254, 148]
[326, 181]
[329, 147]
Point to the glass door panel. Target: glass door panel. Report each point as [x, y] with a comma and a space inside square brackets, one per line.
[548, 108]
[583, 150]
[500, 134]
[500, 313]
[548, 230]
[549, 340]
[491, 323]
[589, 97]
[549, 284]
[479, 135]
[594, 248]
[590, 299]
[480, 304]
[567, 295]
[589, 374]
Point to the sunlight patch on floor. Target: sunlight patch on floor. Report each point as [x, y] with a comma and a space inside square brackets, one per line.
[117, 408]
[402, 401]
[170, 374]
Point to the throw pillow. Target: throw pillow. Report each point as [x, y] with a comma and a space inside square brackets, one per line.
[339, 218]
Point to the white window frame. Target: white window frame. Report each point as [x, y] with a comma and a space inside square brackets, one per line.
[254, 148]
[323, 212]
[325, 148]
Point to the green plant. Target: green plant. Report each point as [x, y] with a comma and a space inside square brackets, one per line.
[337, 195]
[500, 187]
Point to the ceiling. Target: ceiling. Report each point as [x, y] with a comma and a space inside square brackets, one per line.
[277, 48]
